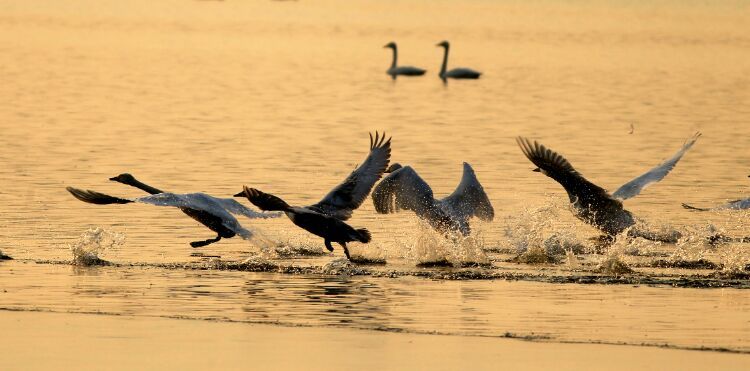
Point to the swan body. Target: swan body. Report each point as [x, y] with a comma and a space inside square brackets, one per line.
[214, 213]
[456, 73]
[404, 189]
[396, 70]
[591, 203]
[327, 218]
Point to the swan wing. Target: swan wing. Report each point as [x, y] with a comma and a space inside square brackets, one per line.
[234, 207]
[469, 198]
[635, 186]
[197, 201]
[558, 168]
[350, 194]
[403, 189]
[732, 205]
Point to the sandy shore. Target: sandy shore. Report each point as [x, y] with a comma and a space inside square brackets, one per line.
[37, 340]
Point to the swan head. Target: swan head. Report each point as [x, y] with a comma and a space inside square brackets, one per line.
[124, 178]
[391, 45]
[394, 166]
[444, 44]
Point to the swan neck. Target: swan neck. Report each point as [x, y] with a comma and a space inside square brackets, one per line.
[445, 61]
[395, 58]
[145, 187]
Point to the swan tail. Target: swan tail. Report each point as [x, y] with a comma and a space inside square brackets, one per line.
[694, 208]
[363, 235]
[96, 198]
[265, 201]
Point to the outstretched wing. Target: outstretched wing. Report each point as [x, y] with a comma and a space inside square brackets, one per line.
[635, 186]
[350, 194]
[237, 208]
[731, 205]
[469, 198]
[197, 201]
[558, 168]
[403, 189]
[94, 197]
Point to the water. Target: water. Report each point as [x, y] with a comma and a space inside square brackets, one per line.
[194, 96]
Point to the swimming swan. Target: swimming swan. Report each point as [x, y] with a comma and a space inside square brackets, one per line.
[214, 213]
[404, 189]
[326, 218]
[395, 70]
[591, 203]
[456, 73]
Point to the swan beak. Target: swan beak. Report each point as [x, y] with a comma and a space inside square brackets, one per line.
[537, 170]
[114, 178]
[241, 194]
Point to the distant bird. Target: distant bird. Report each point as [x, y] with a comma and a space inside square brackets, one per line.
[456, 73]
[396, 70]
[326, 218]
[743, 204]
[404, 189]
[591, 203]
[214, 213]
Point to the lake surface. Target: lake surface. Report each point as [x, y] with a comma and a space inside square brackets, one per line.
[207, 96]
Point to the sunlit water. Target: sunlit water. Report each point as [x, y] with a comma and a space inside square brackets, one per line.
[207, 96]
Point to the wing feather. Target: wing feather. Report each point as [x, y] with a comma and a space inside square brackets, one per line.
[403, 189]
[349, 195]
[635, 186]
[469, 198]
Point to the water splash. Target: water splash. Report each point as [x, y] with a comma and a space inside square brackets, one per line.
[536, 238]
[94, 243]
[432, 248]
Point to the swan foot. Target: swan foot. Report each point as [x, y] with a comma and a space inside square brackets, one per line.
[207, 242]
[346, 250]
[328, 245]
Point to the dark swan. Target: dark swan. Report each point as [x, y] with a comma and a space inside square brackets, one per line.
[214, 213]
[456, 73]
[591, 203]
[326, 218]
[404, 189]
[395, 70]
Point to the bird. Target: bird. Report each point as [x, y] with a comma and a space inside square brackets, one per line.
[456, 73]
[214, 213]
[591, 203]
[326, 218]
[395, 70]
[742, 204]
[404, 189]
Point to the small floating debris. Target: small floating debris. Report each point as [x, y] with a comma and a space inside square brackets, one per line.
[202, 255]
[440, 263]
[685, 264]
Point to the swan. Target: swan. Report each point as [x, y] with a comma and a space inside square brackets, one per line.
[214, 213]
[456, 73]
[326, 218]
[591, 203]
[395, 70]
[743, 204]
[404, 189]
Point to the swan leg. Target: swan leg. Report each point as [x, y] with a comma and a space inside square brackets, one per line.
[328, 245]
[205, 242]
[346, 250]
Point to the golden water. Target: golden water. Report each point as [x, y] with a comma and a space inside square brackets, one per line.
[204, 96]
